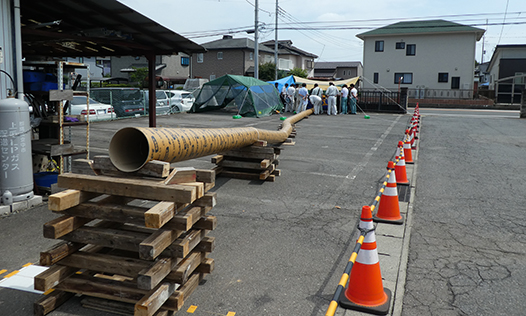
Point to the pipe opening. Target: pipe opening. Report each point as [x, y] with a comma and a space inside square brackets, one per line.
[129, 149]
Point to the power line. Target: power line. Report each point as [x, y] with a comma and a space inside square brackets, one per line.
[503, 21]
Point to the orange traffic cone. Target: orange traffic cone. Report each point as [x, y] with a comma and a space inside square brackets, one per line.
[401, 174]
[407, 148]
[389, 207]
[365, 291]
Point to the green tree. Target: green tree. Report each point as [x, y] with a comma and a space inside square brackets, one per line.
[267, 71]
[139, 76]
[298, 72]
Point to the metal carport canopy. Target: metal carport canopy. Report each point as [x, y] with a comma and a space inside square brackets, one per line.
[91, 28]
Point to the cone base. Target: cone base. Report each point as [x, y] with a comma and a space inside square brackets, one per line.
[376, 310]
[402, 183]
[409, 162]
[389, 221]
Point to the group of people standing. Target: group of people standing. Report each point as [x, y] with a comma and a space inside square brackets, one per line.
[296, 99]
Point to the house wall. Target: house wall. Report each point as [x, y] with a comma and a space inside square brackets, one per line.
[234, 62]
[435, 53]
[495, 72]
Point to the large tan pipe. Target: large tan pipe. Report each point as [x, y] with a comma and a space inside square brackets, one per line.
[132, 147]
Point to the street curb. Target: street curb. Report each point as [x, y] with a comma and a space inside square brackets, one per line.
[399, 292]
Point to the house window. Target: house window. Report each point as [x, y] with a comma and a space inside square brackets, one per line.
[200, 57]
[443, 77]
[400, 45]
[212, 77]
[455, 82]
[403, 78]
[376, 77]
[185, 61]
[308, 64]
[379, 46]
[251, 56]
[410, 50]
[219, 55]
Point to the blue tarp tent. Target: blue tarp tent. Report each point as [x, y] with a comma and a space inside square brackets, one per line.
[281, 82]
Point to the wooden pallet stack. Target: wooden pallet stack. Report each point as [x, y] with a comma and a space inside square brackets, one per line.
[256, 162]
[131, 244]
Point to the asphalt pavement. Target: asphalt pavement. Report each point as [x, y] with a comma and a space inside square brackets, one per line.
[282, 246]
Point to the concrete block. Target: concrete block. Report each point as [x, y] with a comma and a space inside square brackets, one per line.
[5, 210]
[19, 206]
[34, 201]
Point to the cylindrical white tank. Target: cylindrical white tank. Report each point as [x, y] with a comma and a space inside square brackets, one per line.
[16, 166]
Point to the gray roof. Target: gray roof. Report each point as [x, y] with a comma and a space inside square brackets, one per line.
[285, 47]
[336, 64]
[235, 43]
[422, 27]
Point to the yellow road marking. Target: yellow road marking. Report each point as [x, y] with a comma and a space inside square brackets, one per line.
[3, 271]
[48, 291]
[27, 264]
[230, 314]
[191, 309]
[11, 274]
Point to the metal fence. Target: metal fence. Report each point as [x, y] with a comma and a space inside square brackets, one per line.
[382, 101]
[425, 93]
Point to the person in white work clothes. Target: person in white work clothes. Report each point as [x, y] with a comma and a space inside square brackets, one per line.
[303, 94]
[332, 92]
[345, 94]
[317, 95]
[290, 95]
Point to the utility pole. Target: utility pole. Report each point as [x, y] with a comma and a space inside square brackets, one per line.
[256, 44]
[276, 43]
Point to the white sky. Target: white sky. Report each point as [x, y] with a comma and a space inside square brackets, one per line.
[189, 18]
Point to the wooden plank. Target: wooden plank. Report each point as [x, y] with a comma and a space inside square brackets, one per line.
[51, 277]
[216, 159]
[154, 168]
[207, 244]
[206, 222]
[69, 198]
[48, 303]
[199, 186]
[151, 247]
[207, 266]
[276, 172]
[58, 252]
[104, 305]
[189, 287]
[141, 189]
[181, 247]
[159, 215]
[260, 143]
[263, 175]
[153, 300]
[181, 175]
[249, 154]
[113, 238]
[208, 200]
[110, 212]
[206, 176]
[186, 267]
[119, 291]
[106, 263]
[150, 277]
[187, 218]
[263, 164]
[63, 225]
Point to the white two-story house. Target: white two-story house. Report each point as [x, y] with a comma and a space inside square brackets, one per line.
[431, 58]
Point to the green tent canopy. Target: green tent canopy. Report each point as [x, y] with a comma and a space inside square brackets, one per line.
[251, 96]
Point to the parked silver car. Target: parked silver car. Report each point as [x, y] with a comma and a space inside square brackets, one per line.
[180, 100]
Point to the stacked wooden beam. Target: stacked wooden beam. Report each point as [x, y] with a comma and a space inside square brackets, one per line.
[132, 241]
[256, 162]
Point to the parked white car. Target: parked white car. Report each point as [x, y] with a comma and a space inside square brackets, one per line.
[162, 102]
[180, 100]
[97, 111]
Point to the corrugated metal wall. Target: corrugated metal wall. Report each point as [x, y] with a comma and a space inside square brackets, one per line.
[6, 44]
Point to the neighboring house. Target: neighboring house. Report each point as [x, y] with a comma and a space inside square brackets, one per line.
[338, 70]
[98, 67]
[173, 69]
[290, 56]
[481, 72]
[235, 56]
[507, 61]
[432, 56]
